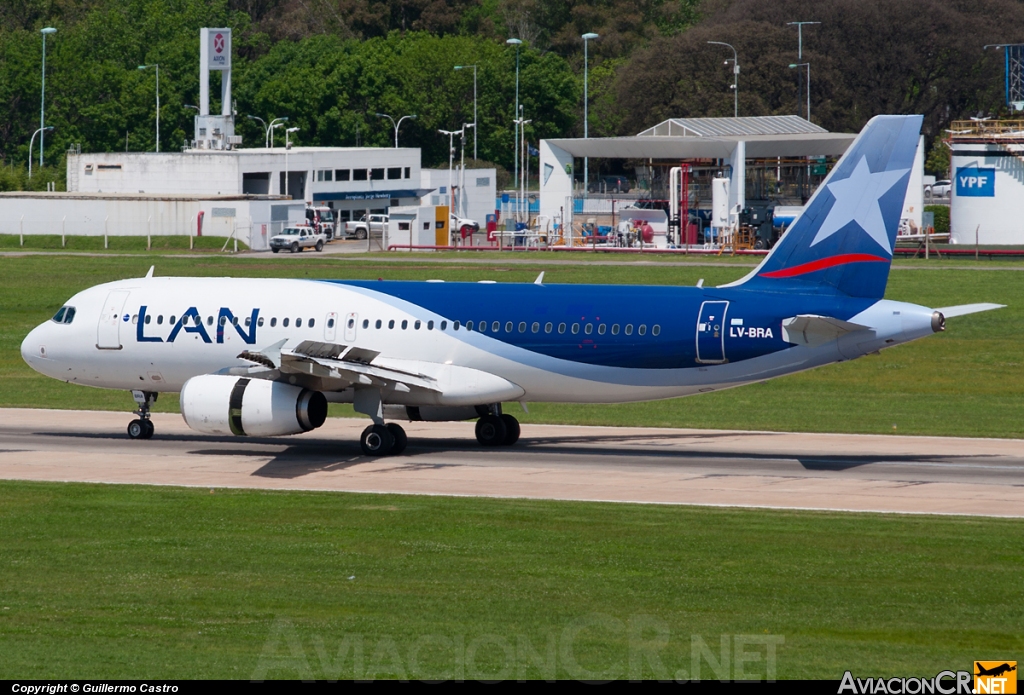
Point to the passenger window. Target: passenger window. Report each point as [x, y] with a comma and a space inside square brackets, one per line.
[575, 328]
[259, 321]
[209, 320]
[547, 327]
[508, 327]
[234, 320]
[223, 320]
[482, 326]
[135, 319]
[615, 329]
[330, 323]
[59, 316]
[248, 320]
[535, 327]
[588, 329]
[416, 325]
[196, 319]
[601, 329]
[629, 329]
[496, 326]
[391, 324]
[149, 319]
[430, 325]
[405, 324]
[642, 330]
[366, 323]
[444, 325]
[561, 328]
[160, 320]
[656, 330]
[273, 322]
[378, 324]
[285, 323]
[312, 322]
[455, 325]
[469, 325]
[171, 322]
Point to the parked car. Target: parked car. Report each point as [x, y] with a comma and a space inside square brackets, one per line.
[359, 229]
[463, 226]
[939, 189]
[297, 238]
[609, 184]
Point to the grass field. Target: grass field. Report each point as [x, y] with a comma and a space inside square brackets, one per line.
[968, 381]
[143, 582]
[115, 244]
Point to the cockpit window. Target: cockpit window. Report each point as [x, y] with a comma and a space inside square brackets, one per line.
[66, 314]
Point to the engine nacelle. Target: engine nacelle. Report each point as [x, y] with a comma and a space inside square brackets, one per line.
[216, 404]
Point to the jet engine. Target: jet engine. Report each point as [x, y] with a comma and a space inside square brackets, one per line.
[217, 404]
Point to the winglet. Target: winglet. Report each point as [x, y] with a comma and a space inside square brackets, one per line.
[540, 279]
[151, 269]
[269, 356]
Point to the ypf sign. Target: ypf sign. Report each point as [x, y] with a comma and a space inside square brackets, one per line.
[220, 49]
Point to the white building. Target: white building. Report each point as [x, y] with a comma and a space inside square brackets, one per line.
[352, 180]
[987, 197]
[476, 201]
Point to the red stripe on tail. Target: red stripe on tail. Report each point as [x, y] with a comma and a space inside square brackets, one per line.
[823, 263]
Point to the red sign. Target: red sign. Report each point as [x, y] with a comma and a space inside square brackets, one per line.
[218, 43]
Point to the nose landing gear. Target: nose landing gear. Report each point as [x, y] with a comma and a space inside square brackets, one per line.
[142, 428]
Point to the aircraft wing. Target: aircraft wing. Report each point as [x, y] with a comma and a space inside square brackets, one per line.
[337, 367]
[813, 330]
[964, 309]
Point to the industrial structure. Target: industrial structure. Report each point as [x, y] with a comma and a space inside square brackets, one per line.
[987, 193]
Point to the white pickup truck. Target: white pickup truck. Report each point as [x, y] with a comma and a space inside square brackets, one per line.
[297, 238]
[358, 229]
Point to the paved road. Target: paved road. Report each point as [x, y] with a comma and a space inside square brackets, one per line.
[756, 469]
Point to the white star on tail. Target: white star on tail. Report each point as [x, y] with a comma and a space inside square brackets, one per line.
[857, 201]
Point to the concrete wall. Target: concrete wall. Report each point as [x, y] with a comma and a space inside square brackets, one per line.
[251, 220]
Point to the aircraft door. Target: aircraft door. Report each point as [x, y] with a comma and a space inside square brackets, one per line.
[350, 327]
[108, 332]
[711, 332]
[331, 326]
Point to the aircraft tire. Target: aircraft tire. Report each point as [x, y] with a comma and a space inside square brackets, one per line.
[511, 430]
[401, 440]
[150, 429]
[490, 430]
[376, 440]
[137, 429]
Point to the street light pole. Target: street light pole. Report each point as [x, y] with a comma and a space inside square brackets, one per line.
[154, 65]
[42, 98]
[800, 55]
[808, 66]
[463, 67]
[396, 125]
[31, 144]
[276, 123]
[586, 132]
[462, 184]
[451, 162]
[515, 113]
[735, 78]
[266, 131]
[287, 147]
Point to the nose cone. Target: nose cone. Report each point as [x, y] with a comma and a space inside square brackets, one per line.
[33, 348]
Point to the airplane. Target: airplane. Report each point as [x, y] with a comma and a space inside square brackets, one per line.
[259, 357]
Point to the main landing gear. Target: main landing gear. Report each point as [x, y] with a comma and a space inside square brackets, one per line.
[495, 428]
[142, 428]
[382, 440]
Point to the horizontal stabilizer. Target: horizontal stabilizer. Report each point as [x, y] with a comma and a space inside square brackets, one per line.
[964, 309]
[813, 330]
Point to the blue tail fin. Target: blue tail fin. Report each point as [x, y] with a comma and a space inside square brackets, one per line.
[843, 240]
